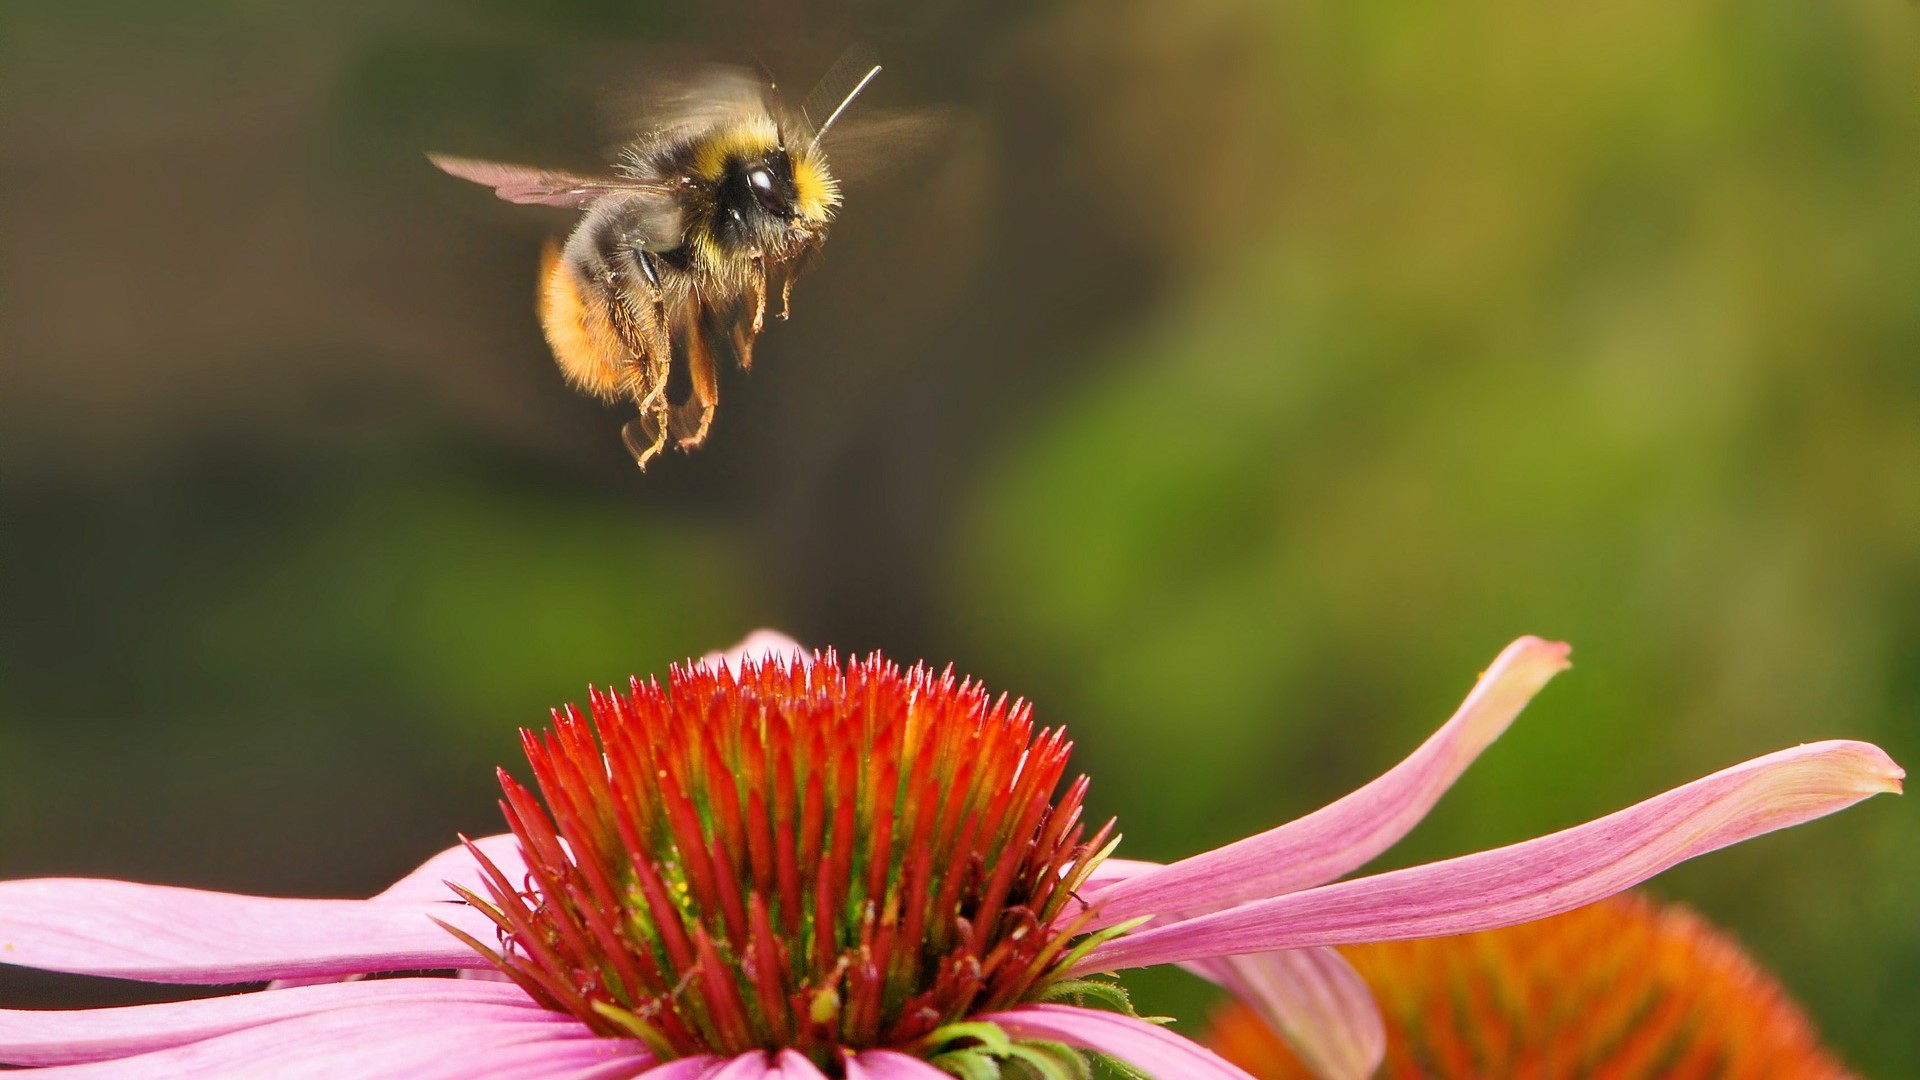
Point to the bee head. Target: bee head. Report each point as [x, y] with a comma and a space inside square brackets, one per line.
[760, 184]
[763, 183]
[788, 188]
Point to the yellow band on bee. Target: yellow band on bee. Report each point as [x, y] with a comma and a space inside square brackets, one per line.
[751, 137]
[814, 189]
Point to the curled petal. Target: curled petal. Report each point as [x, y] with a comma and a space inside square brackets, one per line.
[1312, 997]
[389, 1041]
[1345, 834]
[164, 934]
[1535, 878]
[455, 865]
[1316, 1001]
[59, 1037]
[1146, 1046]
[433, 880]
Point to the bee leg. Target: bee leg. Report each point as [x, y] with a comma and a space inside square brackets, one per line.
[645, 259]
[691, 420]
[743, 346]
[655, 418]
[786, 296]
[661, 418]
[759, 293]
[646, 434]
[639, 317]
[693, 417]
[644, 437]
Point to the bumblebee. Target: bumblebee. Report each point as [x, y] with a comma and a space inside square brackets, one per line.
[707, 214]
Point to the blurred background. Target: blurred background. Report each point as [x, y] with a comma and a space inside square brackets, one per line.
[1233, 379]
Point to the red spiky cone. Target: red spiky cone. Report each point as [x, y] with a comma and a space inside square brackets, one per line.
[803, 855]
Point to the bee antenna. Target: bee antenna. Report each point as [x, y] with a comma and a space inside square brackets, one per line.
[844, 102]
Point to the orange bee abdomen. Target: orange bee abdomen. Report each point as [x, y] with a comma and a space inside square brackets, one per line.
[579, 326]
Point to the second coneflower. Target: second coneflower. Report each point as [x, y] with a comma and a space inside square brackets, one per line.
[1624, 988]
[803, 868]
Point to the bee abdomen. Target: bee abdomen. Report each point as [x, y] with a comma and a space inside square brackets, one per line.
[577, 315]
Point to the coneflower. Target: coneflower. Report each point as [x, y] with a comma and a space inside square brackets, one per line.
[799, 867]
[1625, 988]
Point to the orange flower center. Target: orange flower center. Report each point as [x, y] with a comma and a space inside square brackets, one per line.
[807, 856]
[1623, 988]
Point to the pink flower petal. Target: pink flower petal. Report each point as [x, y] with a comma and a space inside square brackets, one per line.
[456, 865]
[56, 1037]
[1536, 878]
[891, 1065]
[165, 934]
[1146, 1046]
[760, 646]
[793, 1065]
[432, 880]
[1348, 833]
[1312, 997]
[758, 1065]
[389, 1041]
[1316, 1001]
[1112, 871]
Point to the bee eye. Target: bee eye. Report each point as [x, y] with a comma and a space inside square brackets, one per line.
[767, 191]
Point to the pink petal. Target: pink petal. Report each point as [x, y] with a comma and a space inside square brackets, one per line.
[1312, 997]
[891, 1065]
[1148, 1047]
[761, 646]
[1346, 834]
[456, 865]
[1536, 878]
[757, 1065]
[793, 1065]
[57, 1037]
[390, 1041]
[165, 934]
[1112, 871]
[1316, 1001]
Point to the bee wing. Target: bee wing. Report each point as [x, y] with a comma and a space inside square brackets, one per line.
[876, 148]
[543, 187]
[666, 96]
[846, 78]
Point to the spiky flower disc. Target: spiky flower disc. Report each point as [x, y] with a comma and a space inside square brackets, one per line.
[806, 855]
[1624, 988]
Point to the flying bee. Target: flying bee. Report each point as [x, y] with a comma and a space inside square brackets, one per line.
[707, 214]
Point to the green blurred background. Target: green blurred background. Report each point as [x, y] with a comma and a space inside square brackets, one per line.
[1232, 379]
